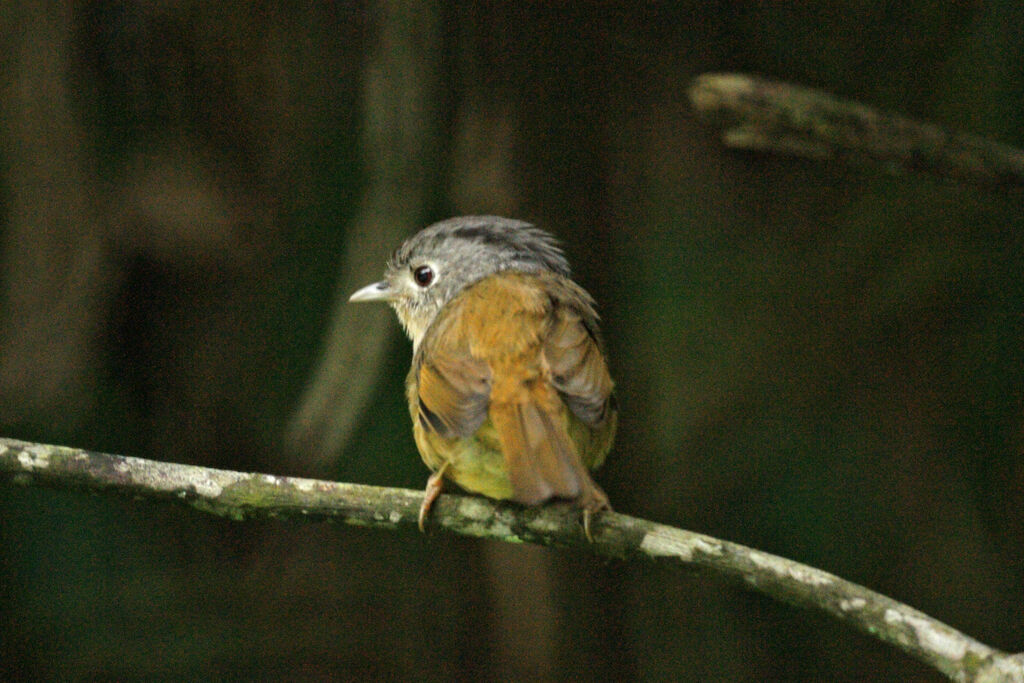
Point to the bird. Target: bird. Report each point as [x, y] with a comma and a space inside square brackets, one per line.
[509, 390]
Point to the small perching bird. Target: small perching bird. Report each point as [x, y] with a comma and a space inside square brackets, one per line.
[509, 391]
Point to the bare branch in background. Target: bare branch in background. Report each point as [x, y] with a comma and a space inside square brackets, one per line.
[243, 496]
[399, 142]
[761, 114]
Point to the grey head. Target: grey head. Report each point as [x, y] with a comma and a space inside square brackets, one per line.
[435, 264]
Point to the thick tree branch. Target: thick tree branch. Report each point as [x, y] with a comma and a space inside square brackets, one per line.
[760, 114]
[241, 496]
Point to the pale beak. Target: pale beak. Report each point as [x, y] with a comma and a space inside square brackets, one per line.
[378, 291]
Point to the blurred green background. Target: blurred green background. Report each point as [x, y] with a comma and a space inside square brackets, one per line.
[820, 361]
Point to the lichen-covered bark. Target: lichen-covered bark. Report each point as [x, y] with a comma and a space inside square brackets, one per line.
[241, 496]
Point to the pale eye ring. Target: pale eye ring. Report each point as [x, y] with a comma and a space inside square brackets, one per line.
[423, 276]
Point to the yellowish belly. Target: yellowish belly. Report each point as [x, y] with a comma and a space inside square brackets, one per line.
[475, 463]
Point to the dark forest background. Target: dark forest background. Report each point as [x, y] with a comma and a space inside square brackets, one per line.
[821, 361]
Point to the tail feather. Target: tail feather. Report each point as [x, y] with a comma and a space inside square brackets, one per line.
[541, 458]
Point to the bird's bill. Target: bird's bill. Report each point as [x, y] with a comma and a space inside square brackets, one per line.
[378, 291]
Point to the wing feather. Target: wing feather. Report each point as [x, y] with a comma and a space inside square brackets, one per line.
[578, 369]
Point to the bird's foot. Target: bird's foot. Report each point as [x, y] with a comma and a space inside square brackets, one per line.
[434, 485]
[595, 503]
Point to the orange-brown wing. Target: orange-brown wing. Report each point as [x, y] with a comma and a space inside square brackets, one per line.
[453, 370]
[453, 390]
[573, 353]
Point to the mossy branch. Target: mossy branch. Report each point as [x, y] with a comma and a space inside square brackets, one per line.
[241, 496]
[761, 114]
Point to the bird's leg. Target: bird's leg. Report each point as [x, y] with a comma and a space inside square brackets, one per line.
[434, 485]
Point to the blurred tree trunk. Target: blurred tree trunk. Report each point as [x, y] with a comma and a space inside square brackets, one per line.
[400, 144]
[55, 281]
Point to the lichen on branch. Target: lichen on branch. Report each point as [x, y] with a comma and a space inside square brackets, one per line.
[242, 496]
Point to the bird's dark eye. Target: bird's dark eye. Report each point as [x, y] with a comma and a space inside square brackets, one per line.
[423, 276]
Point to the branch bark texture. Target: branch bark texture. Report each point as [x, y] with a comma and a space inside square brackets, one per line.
[761, 114]
[241, 496]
